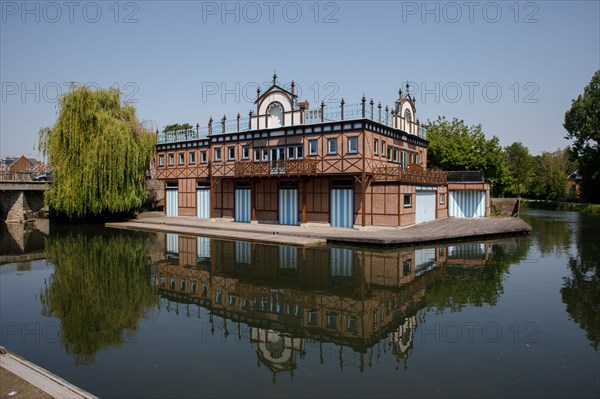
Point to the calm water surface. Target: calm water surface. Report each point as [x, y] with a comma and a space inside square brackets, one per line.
[127, 314]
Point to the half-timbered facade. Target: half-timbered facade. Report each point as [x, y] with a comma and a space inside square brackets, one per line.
[346, 165]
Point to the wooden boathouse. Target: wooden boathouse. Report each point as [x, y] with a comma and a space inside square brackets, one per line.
[342, 165]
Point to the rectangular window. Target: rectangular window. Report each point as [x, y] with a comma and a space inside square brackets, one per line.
[299, 152]
[442, 198]
[161, 160]
[406, 267]
[256, 154]
[389, 153]
[217, 154]
[352, 145]
[192, 157]
[403, 159]
[312, 317]
[246, 152]
[181, 158]
[291, 152]
[231, 153]
[407, 200]
[332, 321]
[396, 155]
[351, 324]
[313, 147]
[376, 147]
[383, 147]
[203, 157]
[265, 154]
[171, 159]
[331, 146]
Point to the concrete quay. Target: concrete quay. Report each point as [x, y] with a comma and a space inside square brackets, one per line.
[20, 378]
[449, 229]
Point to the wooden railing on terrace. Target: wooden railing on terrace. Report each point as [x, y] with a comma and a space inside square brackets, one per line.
[300, 167]
[413, 173]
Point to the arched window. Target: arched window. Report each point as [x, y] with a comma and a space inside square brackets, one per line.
[408, 116]
[275, 112]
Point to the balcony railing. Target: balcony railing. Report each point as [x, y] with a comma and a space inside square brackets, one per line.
[324, 113]
[300, 167]
[413, 173]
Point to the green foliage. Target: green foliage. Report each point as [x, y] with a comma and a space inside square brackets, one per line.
[99, 154]
[520, 166]
[561, 206]
[550, 175]
[100, 288]
[582, 122]
[474, 285]
[177, 126]
[456, 146]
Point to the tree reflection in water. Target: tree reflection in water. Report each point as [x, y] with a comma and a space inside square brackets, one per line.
[581, 291]
[99, 290]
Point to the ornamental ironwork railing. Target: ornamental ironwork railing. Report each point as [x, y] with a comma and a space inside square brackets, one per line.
[384, 115]
[298, 167]
[413, 173]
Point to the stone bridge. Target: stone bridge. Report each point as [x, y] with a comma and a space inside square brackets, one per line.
[20, 201]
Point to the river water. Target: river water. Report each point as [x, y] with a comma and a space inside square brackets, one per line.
[132, 314]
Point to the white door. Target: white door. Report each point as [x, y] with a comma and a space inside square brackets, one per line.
[203, 203]
[171, 202]
[425, 207]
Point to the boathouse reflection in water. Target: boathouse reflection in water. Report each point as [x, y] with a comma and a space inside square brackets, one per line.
[284, 298]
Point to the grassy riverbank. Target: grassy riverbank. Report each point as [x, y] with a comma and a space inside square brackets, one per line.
[560, 206]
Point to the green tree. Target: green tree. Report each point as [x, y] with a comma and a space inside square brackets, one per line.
[99, 154]
[100, 288]
[520, 166]
[456, 146]
[177, 126]
[550, 175]
[582, 123]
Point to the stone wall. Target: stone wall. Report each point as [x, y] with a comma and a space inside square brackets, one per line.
[18, 206]
[156, 194]
[505, 206]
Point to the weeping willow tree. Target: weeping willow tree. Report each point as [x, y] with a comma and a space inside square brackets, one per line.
[100, 288]
[99, 154]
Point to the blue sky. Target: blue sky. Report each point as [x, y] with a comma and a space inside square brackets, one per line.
[512, 66]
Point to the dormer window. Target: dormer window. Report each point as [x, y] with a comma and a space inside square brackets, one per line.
[275, 112]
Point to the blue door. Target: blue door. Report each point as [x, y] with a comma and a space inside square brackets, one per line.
[341, 262]
[288, 206]
[342, 207]
[171, 202]
[243, 205]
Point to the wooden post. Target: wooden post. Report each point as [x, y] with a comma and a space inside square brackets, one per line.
[363, 179]
[303, 184]
[222, 195]
[253, 200]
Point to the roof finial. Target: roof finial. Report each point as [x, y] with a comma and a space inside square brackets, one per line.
[407, 88]
[274, 78]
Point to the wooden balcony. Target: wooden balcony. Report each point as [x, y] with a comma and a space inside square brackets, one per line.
[287, 168]
[413, 173]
